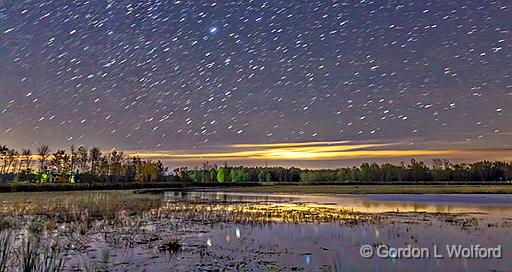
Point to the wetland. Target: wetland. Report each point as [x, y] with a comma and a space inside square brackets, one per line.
[217, 230]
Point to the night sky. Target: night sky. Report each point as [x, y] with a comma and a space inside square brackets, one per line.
[406, 78]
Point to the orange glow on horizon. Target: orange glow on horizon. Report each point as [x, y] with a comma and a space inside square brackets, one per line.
[307, 151]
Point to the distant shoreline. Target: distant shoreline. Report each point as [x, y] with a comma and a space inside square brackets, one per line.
[452, 188]
[254, 187]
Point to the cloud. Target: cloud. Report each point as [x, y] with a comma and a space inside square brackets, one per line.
[290, 144]
[303, 151]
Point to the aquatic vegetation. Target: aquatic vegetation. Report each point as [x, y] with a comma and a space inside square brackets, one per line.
[73, 206]
[105, 231]
[171, 246]
[29, 255]
[262, 212]
[5, 249]
[6, 222]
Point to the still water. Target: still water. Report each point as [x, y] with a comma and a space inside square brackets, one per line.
[418, 221]
[498, 205]
[225, 231]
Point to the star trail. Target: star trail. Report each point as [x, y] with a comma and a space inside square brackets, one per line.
[430, 76]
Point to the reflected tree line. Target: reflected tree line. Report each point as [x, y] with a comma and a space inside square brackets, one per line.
[78, 164]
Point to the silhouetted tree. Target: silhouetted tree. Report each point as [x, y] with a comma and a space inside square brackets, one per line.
[94, 155]
[42, 153]
[25, 159]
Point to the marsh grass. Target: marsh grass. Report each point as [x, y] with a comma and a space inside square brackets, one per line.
[171, 246]
[51, 225]
[215, 212]
[379, 189]
[77, 206]
[7, 222]
[87, 211]
[31, 255]
[52, 258]
[95, 226]
[5, 249]
[120, 218]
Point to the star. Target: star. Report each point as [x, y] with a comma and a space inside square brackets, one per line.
[213, 30]
[180, 74]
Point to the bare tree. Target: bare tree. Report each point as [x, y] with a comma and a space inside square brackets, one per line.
[72, 158]
[26, 156]
[82, 158]
[59, 160]
[115, 162]
[12, 157]
[3, 152]
[95, 155]
[43, 153]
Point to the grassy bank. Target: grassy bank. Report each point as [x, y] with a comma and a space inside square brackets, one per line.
[352, 188]
[378, 189]
[52, 187]
[48, 187]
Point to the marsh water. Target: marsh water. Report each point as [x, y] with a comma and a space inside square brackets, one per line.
[422, 221]
[223, 231]
[496, 205]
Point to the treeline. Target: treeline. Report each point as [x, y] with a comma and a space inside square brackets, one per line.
[85, 165]
[76, 165]
[414, 171]
[211, 173]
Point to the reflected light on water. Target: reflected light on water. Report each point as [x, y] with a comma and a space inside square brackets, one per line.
[308, 259]
[280, 230]
[496, 205]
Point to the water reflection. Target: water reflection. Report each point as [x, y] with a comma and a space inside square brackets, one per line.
[308, 258]
[232, 197]
[258, 232]
[491, 205]
[334, 247]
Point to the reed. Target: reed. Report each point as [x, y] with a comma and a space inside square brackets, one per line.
[5, 249]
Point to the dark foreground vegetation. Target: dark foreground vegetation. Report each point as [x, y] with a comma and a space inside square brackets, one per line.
[82, 168]
[177, 231]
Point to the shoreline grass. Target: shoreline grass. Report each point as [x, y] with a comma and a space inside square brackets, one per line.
[378, 189]
[55, 187]
[274, 187]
